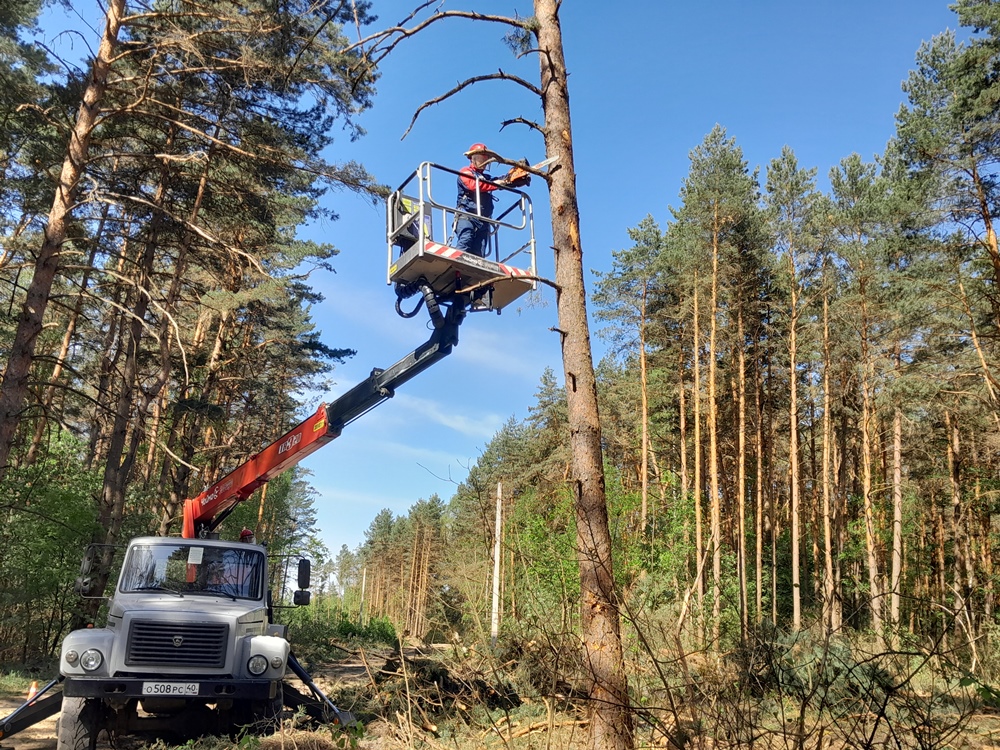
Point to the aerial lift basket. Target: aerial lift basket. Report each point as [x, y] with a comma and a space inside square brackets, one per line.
[420, 231]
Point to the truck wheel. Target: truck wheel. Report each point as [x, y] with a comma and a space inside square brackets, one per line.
[261, 717]
[267, 715]
[79, 724]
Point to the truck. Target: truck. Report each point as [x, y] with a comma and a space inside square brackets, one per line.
[191, 645]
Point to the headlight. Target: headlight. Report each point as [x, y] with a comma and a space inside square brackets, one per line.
[91, 659]
[257, 664]
[276, 662]
[72, 657]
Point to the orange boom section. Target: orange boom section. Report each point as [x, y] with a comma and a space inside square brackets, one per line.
[239, 484]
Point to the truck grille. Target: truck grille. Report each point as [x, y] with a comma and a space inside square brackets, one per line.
[177, 644]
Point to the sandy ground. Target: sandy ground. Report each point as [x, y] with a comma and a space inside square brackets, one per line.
[41, 736]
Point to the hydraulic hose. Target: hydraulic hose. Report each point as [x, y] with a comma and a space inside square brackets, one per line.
[427, 297]
[405, 291]
[430, 299]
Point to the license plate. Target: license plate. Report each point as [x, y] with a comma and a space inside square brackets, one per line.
[170, 688]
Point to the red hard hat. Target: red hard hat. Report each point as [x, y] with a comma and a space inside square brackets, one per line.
[245, 534]
[476, 148]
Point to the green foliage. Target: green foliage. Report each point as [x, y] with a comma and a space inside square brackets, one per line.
[672, 543]
[319, 633]
[988, 694]
[545, 543]
[14, 683]
[796, 664]
[219, 157]
[624, 295]
[50, 516]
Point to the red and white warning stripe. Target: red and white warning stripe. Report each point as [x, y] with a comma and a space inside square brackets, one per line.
[512, 271]
[444, 251]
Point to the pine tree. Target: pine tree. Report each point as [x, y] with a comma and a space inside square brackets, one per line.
[951, 128]
[624, 297]
[210, 160]
[792, 199]
[719, 224]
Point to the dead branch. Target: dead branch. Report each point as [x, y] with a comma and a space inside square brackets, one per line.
[371, 677]
[496, 726]
[498, 76]
[522, 121]
[399, 32]
[540, 725]
[495, 279]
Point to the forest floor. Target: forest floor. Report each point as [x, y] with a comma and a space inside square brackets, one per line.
[359, 675]
[416, 702]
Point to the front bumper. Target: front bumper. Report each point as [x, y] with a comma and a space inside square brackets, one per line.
[209, 688]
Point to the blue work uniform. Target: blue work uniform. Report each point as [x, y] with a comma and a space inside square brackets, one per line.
[475, 195]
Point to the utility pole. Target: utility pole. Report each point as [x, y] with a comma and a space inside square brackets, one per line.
[495, 618]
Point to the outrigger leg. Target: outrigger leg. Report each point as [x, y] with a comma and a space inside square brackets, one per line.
[37, 708]
[317, 705]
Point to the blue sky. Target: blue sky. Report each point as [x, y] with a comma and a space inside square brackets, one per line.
[648, 80]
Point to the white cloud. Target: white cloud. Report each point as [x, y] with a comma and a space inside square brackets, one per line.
[501, 353]
[456, 414]
[357, 499]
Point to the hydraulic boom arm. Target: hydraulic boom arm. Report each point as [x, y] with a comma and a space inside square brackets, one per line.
[202, 514]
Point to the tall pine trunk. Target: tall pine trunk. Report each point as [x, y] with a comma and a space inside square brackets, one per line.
[699, 545]
[129, 414]
[682, 435]
[715, 499]
[14, 389]
[831, 607]
[868, 510]
[741, 479]
[611, 721]
[793, 441]
[644, 395]
[759, 499]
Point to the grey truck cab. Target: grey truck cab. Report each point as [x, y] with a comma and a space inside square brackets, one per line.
[188, 647]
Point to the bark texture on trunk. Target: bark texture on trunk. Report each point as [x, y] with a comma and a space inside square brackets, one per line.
[14, 389]
[611, 724]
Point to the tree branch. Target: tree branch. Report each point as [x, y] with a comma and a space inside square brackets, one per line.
[495, 279]
[498, 76]
[319, 29]
[522, 121]
[119, 199]
[398, 33]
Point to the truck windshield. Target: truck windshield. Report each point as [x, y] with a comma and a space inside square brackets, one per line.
[194, 569]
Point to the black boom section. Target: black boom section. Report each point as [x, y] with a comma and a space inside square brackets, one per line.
[382, 384]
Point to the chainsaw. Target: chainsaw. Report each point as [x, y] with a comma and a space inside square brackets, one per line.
[520, 174]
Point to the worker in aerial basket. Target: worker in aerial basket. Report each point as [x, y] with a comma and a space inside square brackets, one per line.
[475, 197]
[247, 536]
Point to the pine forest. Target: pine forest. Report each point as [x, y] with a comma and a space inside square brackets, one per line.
[799, 408]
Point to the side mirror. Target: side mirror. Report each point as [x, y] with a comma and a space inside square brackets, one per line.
[88, 560]
[84, 585]
[305, 573]
[301, 598]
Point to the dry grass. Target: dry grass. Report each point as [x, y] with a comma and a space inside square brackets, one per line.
[299, 739]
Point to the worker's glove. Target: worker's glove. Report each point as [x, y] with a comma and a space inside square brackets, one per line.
[517, 177]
